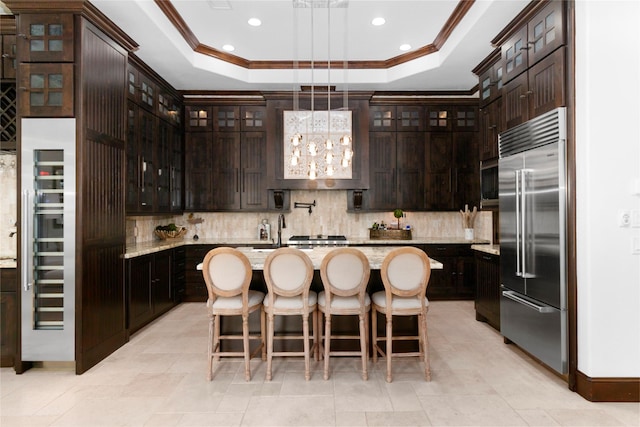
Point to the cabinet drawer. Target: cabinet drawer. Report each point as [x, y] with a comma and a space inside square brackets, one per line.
[443, 250]
[8, 279]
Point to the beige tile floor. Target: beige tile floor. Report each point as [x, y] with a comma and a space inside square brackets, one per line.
[158, 379]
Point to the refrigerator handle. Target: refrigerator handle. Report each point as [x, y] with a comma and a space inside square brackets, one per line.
[523, 222]
[518, 226]
[539, 308]
[26, 238]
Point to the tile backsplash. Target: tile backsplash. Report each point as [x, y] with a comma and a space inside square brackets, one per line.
[8, 205]
[329, 216]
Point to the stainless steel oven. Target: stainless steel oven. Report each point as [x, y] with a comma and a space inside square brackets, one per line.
[489, 183]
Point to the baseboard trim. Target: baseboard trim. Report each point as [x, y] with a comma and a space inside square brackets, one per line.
[608, 389]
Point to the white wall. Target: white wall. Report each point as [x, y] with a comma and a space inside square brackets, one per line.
[608, 162]
[8, 206]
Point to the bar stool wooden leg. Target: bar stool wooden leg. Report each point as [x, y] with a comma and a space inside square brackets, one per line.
[270, 332]
[327, 344]
[363, 346]
[210, 349]
[245, 339]
[305, 331]
[425, 348]
[374, 333]
[389, 345]
[263, 333]
[317, 334]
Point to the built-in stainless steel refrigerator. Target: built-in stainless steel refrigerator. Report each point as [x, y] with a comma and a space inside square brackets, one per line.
[532, 186]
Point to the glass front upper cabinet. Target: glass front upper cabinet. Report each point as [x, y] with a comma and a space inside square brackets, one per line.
[46, 37]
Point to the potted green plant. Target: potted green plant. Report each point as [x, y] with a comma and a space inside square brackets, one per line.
[398, 213]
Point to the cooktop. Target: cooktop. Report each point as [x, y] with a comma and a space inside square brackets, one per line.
[318, 237]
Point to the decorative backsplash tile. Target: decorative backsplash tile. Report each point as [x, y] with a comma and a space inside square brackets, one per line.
[329, 216]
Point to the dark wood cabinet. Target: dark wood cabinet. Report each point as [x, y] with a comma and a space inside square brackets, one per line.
[177, 170]
[491, 113]
[198, 171]
[439, 171]
[141, 89]
[163, 152]
[140, 160]
[162, 282]
[491, 124]
[9, 57]
[533, 63]
[198, 118]
[226, 171]
[150, 291]
[466, 188]
[154, 144]
[451, 118]
[421, 157]
[410, 151]
[396, 158]
[8, 316]
[534, 40]
[490, 76]
[382, 171]
[139, 278]
[195, 287]
[536, 91]
[456, 280]
[46, 89]
[46, 37]
[154, 147]
[546, 31]
[487, 302]
[382, 118]
[396, 170]
[452, 178]
[46, 68]
[179, 271]
[253, 188]
[226, 168]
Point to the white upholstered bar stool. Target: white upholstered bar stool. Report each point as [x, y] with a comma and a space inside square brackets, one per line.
[345, 276]
[227, 274]
[405, 274]
[288, 273]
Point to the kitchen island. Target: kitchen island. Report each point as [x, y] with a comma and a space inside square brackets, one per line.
[454, 279]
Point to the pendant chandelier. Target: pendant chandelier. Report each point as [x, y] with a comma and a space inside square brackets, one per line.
[319, 143]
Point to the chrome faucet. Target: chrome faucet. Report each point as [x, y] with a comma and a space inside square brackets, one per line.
[281, 225]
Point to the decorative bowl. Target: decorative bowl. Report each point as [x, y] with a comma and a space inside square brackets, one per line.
[168, 235]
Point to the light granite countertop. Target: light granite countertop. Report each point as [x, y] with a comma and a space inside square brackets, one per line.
[8, 263]
[145, 248]
[375, 255]
[489, 249]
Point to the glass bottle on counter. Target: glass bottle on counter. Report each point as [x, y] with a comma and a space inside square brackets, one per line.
[264, 231]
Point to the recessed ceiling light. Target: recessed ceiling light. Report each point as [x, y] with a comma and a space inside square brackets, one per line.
[228, 48]
[405, 47]
[378, 21]
[254, 22]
